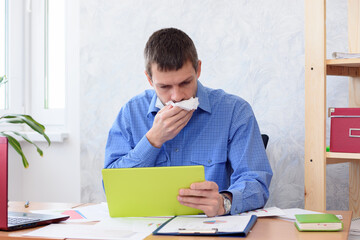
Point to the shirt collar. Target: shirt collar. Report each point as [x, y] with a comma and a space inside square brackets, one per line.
[152, 107]
[201, 93]
[203, 96]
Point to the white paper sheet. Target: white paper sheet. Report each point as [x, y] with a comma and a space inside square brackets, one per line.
[89, 213]
[83, 231]
[265, 212]
[97, 211]
[135, 224]
[109, 228]
[290, 213]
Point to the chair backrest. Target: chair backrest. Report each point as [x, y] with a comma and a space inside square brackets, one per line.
[265, 139]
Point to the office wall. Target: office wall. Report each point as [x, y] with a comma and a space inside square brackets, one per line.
[55, 177]
[52, 178]
[254, 49]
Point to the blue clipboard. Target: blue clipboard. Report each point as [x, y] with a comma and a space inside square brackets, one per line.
[211, 231]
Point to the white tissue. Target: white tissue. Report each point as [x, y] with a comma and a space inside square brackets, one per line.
[187, 105]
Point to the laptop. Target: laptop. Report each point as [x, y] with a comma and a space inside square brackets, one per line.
[17, 220]
[151, 191]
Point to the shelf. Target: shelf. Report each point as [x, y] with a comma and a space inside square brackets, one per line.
[317, 68]
[343, 67]
[336, 157]
[344, 62]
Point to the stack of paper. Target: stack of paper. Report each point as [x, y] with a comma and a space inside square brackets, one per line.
[101, 226]
[345, 55]
[355, 228]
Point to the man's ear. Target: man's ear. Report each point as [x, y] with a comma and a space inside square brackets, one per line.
[149, 78]
[198, 72]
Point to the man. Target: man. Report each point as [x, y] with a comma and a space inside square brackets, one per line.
[222, 133]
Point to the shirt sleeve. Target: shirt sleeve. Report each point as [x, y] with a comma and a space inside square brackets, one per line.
[121, 150]
[250, 180]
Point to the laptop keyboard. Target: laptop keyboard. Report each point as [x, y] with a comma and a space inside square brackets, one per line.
[21, 220]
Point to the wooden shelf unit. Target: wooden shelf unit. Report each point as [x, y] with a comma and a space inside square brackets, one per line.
[335, 157]
[343, 67]
[317, 68]
[348, 62]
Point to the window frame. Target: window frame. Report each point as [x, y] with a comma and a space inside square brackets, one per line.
[14, 58]
[5, 40]
[26, 71]
[49, 117]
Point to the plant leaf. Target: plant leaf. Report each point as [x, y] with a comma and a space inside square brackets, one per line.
[14, 121]
[28, 120]
[16, 145]
[3, 80]
[29, 141]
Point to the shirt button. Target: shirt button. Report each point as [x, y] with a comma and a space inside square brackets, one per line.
[209, 161]
[176, 150]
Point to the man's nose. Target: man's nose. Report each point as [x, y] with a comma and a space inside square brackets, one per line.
[177, 95]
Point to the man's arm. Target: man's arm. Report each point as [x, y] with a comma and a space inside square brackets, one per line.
[123, 151]
[250, 180]
[251, 175]
[168, 122]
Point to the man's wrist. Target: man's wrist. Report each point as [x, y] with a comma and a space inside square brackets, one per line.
[152, 140]
[227, 201]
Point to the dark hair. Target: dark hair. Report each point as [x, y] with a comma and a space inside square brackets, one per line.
[169, 48]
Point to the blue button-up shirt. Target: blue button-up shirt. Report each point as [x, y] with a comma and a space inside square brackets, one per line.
[222, 135]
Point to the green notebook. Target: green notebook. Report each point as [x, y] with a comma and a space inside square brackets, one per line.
[318, 222]
[151, 191]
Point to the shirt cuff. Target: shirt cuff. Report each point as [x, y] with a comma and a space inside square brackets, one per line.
[146, 152]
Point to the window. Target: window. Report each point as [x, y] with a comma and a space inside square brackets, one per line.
[3, 55]
[47, 61]
[54, 54]
[36, 41]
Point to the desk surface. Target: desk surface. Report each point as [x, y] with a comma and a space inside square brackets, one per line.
[265, 228]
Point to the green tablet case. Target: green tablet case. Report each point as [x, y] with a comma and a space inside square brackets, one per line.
[153, 191]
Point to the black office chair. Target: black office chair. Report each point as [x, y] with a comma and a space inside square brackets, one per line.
[265, 139]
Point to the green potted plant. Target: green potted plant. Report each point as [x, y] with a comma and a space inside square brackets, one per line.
[21, 119]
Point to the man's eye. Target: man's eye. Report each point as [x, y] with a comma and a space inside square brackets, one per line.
[185, 83]
[164, 87]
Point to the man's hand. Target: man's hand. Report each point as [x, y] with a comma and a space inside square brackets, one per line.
[204, 196]
[167, 124]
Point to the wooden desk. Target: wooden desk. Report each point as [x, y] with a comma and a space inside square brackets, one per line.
[265, 228]
[275, 229]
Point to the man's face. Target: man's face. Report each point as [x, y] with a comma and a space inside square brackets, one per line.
[174, 85]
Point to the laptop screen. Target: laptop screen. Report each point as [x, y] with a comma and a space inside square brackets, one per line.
[22, 219]
[3, 181]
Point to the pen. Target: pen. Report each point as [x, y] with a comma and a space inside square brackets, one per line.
[27, 204]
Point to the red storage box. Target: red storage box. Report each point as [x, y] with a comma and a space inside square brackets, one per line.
[345, 130]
